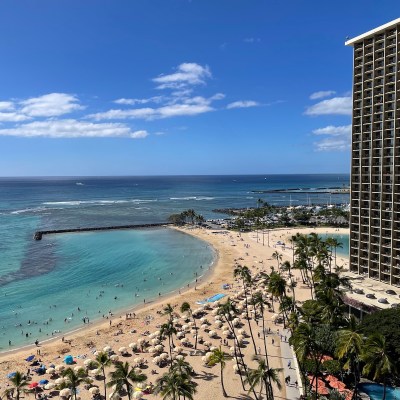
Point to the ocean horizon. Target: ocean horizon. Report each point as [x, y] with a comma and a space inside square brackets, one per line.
[44, 282]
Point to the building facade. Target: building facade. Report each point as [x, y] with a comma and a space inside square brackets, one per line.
[375, 160]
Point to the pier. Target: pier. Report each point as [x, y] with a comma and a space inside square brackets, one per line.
[39, 234]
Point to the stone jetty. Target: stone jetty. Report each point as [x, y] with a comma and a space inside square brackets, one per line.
[39, 234]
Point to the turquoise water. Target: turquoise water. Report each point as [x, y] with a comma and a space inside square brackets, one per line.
[375, 391]
[344, 240]
[97, 273]
[70, 271]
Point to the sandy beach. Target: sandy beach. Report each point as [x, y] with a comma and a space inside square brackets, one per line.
[119, 331]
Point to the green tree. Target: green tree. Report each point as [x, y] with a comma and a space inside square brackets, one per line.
[379, 363]
[74, 379]
[349, 347]
[103, 361]
[263, 376]
[168, 329]
[243, 273]
[174, 385]
[185, 308]
[124, 377]
[19, 384]
[219, 357]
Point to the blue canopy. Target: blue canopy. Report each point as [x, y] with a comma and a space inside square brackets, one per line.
[30, 358]
[68, 360]
[43, 382]
[11, 375]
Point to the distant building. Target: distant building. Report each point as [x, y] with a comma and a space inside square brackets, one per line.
[375, 161]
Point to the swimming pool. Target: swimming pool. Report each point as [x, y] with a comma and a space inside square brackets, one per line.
[211, 299]
[375, 391]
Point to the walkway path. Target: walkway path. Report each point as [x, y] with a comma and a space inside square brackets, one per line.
[289, 367]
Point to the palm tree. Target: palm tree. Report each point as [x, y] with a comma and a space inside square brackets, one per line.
[182, 367]
[168, 310]
[264, 376]
[378, 361]
[74, 379]
[227, 311]
[168, 330]
[123, 376]
[278, 257]
[185, 307]
[103, 361]
[259, 302]
[244, 274]
[349, 346]
[277, 288]
[219, 357]
[172, 385]
[19, 384]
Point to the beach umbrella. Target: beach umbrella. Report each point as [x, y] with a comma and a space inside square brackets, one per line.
[159, 347]
[50, 371]
[137, 395]
[155, 341]
[87, 362]
[30, 358]
[180, 335]
[141, 340]
[94, 390]
[107, 349]
[141, 385]
[50, 386]
[77, 368]
[137, 370]
[33, 385]
[123, 350]
[65, 392]
[11, 375]
[69, 360]
[212, 333]
[132, 345]
[59, 381]
[180, 357]
[212, 348]
[175, 320]
[204, 327]
[151, 350]
[138, 360]
[43, 382]
[114, 357]
[178, 349]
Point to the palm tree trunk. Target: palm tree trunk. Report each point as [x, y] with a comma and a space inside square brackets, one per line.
[104, 381]
[222, 382]
[265, 349]
[128, 391]
[248, 322]
[195, 327]
[384, 389]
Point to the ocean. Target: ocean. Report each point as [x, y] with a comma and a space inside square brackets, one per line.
[44, 283]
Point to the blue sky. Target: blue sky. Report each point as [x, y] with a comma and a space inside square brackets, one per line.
[155, 87]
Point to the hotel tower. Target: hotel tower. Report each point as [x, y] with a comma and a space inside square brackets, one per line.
[375, 158]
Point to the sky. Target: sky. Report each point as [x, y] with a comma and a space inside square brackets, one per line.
[178, 87]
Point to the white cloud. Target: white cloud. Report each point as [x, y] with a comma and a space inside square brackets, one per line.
[70, 128]
[242, 104]
[252, 40]
[12, 117]
[338, 139]
[333, 130]
[186, 107]
[187, 74]
[132, 102]
[332, 144]
[322, 94]
[6, 106]
[50, 105]
[334, 106]
[139, 134]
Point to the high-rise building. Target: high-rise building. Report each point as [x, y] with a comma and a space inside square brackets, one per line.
[375, 158]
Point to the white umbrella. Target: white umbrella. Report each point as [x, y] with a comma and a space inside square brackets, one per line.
[180, 357]
[50, 386]
[114, 357]
[151, 350]
[65, 392]
[94, 390]
[59, 368]
[138, 360]
[59, 381]
[107, 349]
[132, 345]
[87, 362]
[50, 371]
[77, 368]
[159, 347]
[141, 385]
[123, 350]
[137, 395]
[155, 341]
[212, 333]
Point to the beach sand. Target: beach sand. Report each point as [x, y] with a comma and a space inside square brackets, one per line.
[231, 248]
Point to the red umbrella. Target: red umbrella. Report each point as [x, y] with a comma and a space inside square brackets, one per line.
[33, 385]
